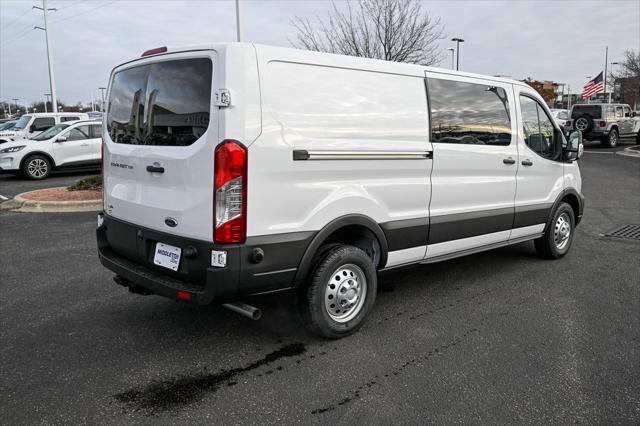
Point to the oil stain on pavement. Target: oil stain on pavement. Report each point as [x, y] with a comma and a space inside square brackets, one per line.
[184, 390]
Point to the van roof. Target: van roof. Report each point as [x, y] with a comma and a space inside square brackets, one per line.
[267, 51]
[54, 114]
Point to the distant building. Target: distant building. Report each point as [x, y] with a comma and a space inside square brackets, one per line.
[547, 89]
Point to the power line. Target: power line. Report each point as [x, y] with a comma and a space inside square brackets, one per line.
[84, 11]
[4, 27]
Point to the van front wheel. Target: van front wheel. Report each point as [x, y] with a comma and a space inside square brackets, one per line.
[558, 236]
[340, 292]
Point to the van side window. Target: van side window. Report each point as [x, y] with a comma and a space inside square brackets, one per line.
[537, 128]
[79, 133]
[469, 113]
[43, 123]
[63, 119]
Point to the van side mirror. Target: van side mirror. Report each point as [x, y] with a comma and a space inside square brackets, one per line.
[574, 148]
[32, 128]
[61, 139]
[633, 113]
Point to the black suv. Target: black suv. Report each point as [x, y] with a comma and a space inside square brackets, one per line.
[604, 122]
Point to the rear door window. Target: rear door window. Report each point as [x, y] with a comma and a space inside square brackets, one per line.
[63, 119]
[43, 123]
[593, 111]
[469, 113]
[162, 103]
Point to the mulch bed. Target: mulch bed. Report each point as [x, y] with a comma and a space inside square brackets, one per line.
[62, 194]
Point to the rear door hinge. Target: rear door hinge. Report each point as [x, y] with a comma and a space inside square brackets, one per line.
[222, 98]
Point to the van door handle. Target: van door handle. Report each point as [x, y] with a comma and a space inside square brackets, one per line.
[509, 161]
[155, 169]
[527, 162]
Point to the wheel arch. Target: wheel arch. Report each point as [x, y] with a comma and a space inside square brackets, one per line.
[572, 197]
[352, 229]
[44, 154]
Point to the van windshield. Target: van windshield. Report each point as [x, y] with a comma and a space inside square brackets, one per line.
[22, 122]
[163, 103]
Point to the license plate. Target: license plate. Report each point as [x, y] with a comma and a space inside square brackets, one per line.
[167, 256]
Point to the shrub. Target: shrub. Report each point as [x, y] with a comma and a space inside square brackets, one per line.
[90, 183]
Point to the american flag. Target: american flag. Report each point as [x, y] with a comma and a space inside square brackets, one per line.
[594, 86]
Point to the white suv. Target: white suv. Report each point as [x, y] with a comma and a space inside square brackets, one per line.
[236, 170]
[30, 125]
[71, 145]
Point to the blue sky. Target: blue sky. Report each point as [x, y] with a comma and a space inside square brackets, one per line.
[562, 41]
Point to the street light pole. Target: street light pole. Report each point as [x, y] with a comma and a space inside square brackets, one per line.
[238, 21]
[614, 82]
[15, 101]
[52, 81]
[458, 41]
[452, 50]
[102, 89]
[46, 101]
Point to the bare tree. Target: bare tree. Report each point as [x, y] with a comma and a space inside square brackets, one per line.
[393, 30]
[629, 67]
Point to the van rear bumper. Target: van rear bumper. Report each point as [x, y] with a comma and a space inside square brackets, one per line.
[128, 249]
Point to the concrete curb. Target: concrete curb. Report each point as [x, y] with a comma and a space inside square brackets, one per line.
[21, 204]
[632, 151]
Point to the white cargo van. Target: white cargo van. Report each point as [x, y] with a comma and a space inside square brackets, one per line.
[30, 125]
[236, 170]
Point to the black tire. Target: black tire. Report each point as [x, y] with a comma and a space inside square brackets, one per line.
[611, 140]
[36, 167]
[547, 245]
[350, 264]
[577, 123]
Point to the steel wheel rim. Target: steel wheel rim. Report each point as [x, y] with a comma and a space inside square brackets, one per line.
[37, 167]
[345, 293]
[581, 124]
[562, 231]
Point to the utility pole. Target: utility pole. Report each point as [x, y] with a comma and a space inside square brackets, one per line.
[606, 61]
[238, 22]
[458, 41]
[47, 95]
[102, 89]
[52, 81]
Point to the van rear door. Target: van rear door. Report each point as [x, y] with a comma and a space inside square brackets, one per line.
[159, 140]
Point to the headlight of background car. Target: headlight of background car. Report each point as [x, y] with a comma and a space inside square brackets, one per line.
[12, 149]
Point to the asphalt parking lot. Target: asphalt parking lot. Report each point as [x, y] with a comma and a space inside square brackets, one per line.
[498, 337]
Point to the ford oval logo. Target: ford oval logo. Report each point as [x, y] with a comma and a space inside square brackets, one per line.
[171, 222]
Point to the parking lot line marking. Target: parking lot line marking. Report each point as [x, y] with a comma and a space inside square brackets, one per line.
[3, 198]
[599, 152]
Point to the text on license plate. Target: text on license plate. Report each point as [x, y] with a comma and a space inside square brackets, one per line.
[167, 256]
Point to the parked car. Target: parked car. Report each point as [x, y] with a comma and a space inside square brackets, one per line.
[65, 146]
[30, 125]
[604, 122]
[560, 116]
[8, 125]
[261, 170]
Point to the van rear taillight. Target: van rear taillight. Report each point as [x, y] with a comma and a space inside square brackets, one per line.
[155, 51]
[230, 192]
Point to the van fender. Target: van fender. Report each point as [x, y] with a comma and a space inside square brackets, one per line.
[577, 212]
[348, 220]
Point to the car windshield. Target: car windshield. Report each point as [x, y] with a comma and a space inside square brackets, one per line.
[8, 125]
[22, 122]
[51, 132]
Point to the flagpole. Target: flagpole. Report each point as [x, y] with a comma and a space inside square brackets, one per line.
[606, 59]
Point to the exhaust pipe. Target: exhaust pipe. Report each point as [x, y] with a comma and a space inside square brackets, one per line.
[244, 309]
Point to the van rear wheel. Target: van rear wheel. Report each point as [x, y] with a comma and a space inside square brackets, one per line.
[558, 236]
[340, 292]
